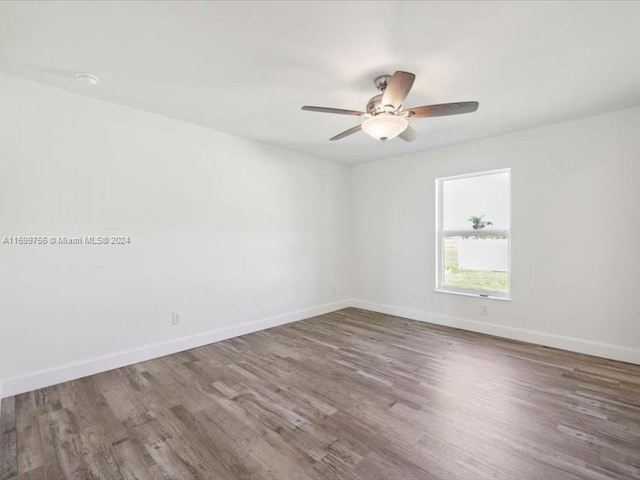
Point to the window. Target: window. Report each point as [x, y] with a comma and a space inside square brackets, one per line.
[474, 234]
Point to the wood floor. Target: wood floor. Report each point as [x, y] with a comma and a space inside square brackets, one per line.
[349, 395]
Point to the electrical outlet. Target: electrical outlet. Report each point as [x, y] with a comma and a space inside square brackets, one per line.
[175, 318]
[334, 290]
[484, 310]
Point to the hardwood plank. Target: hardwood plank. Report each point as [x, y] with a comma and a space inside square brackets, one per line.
[34, 474]
[8, 415]
[8, 439]
[28, 430]
[8, 455]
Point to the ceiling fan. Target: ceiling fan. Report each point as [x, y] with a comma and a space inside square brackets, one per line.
[385, 116]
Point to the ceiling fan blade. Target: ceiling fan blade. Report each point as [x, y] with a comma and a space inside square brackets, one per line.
[346, 133]
[443, 109]
[409, 135]
[398, 89]
[339, 111]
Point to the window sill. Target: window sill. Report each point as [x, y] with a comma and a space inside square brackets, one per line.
[475, 295]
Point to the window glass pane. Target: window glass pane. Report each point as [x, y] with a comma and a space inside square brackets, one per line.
[476, 263]
[485, 197]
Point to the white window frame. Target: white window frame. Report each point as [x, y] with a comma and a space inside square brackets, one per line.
[441, 234]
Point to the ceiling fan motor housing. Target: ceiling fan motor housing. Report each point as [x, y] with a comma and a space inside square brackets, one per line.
[374, 104]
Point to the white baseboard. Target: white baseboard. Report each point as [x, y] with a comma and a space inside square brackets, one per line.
[72, 371]
[614, 352]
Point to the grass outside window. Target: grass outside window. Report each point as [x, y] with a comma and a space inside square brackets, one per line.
[470, 279]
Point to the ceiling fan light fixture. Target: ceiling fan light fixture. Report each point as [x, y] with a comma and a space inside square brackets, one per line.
[384, 126]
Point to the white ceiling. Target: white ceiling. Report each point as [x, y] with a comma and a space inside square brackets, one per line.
[247, 67]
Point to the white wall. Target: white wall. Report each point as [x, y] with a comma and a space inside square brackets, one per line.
[224, 230]
[575, 235]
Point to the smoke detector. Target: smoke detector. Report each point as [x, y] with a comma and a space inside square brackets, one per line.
[87, 79]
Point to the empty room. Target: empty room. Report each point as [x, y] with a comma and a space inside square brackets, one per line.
[319, 240]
